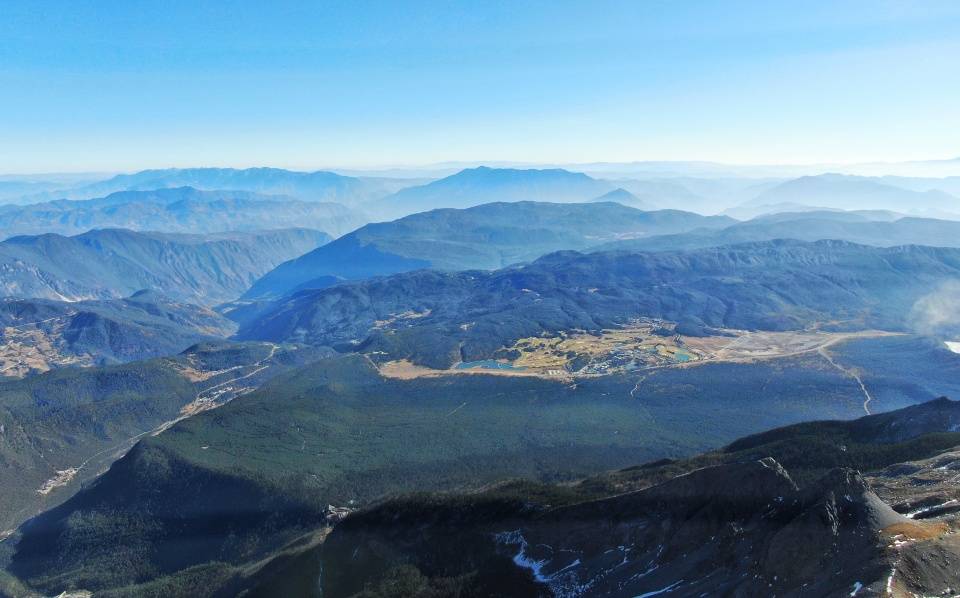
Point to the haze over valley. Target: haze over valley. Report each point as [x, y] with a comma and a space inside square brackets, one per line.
[542, 324]
[371, 300]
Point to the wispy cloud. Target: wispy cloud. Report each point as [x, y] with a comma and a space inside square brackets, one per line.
[938, 313]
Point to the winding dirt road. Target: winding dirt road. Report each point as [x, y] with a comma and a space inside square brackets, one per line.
[851, 372]
[204, 401]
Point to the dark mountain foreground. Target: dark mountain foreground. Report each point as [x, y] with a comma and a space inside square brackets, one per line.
[241, 496]
[785, 513]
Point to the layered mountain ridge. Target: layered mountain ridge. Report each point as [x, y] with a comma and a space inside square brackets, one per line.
[307, 186]
[474, 186]
[114, 263]
[487, 237]
[880, 229]
[41, 334]
[179, 210]
[441, 318]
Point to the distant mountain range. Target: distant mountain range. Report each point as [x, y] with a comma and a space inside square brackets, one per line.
[949, 184]
[702, 187]
[475, 186]
[849, 193]
[441, 318]
[484, 237]
[307, 186]
[624, 197]
[115, 263]
[14, 186]
[692, 168]
[40, 334]
[881, 229]
[672, 193]
[179, 210]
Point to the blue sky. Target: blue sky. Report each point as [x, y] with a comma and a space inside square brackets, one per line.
[128, 85]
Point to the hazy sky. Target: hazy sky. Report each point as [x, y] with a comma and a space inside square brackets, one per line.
[127, 85]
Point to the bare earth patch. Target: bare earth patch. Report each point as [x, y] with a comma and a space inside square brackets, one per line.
[917, 530]
[34, 348]
[644, 344]
[63, 477]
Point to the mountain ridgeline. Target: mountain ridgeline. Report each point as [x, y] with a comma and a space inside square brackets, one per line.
[485, 237]
[321, 186]
[179, 210]
[624, 197]
[474, 186]
[465, 316]
[115, 263]
[740, 521]
[42, 334]
[881, 229]
[846, 192]
[64, 427]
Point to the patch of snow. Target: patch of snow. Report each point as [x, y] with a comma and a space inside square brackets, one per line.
[913, 514]
[645, 573]
[857, 586]
[562, 583]
[575, 563]
[521, 559]
[898, 544]
[660, 591]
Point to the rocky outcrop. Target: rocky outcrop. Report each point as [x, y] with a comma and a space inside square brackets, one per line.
[741, 529]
